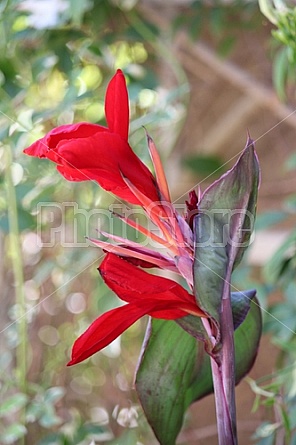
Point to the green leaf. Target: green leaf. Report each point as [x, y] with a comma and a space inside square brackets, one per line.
[88, 431]
[193, 326]
[52, 395]
[282, 263]
[280, 73]
[13, 404]
[175, 371]
[222, 229]
[164, 374]
[49, 418]
[13, 433]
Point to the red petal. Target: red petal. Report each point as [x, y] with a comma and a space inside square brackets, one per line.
[62, 133]
[106, 179]
[38, 148]
[105, 329]
[101, 150]
[146, 294]
[110, 325]
[89, 151]
[75, 174]
[133, 285]
[104, 156]
[117, 106]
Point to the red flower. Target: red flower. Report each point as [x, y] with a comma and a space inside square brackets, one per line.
[86, 151]
[145, 294]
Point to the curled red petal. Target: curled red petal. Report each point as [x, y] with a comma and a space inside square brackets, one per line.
[62, 133]
[91, 152]
[117, 106]
[133, 285]
[104, 155]
[99, 157]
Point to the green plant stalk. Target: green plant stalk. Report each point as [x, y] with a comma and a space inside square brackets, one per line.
[15, 253]
[223, 372]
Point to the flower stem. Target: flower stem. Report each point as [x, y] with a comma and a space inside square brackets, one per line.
[223, 371]
[15, 253]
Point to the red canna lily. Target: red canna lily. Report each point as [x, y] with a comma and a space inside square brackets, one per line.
[145, 294]
[86, 151]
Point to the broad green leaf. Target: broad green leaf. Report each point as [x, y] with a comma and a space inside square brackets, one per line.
[175, 371]
[193, 326]
[222, 229]
[164, 374]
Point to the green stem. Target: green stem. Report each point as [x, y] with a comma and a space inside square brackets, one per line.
[15, 253]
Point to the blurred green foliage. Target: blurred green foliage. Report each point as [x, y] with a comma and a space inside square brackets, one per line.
[282, 14]
[221, 19]
[56, 58]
